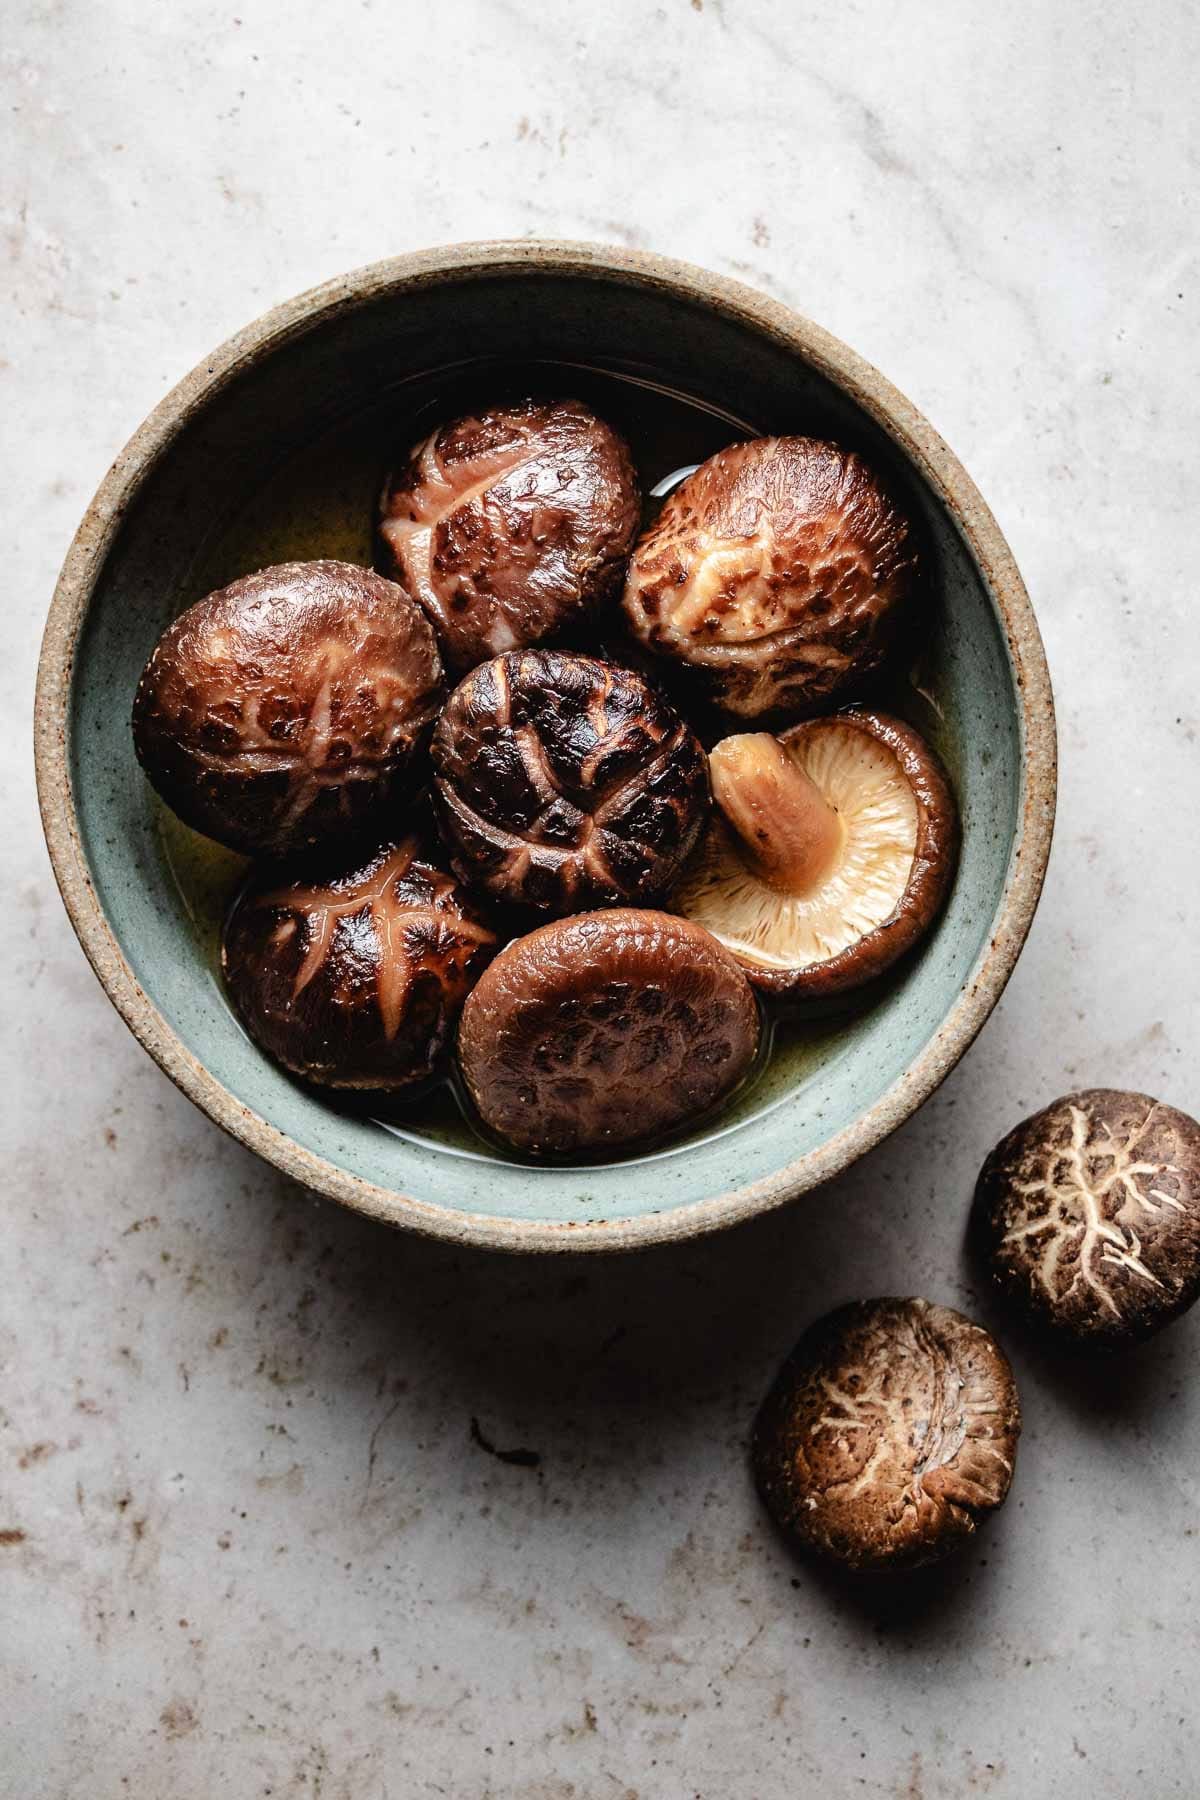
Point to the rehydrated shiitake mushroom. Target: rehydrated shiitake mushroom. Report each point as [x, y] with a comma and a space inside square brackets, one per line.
[606, 1029]
[1089, 1216]
[829, 853]
[563, 782]
[890, 1433]
[284, 709]
[780, 573]
[509, 524]
[353, 977]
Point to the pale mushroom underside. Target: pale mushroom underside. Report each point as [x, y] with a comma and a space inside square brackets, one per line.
[863, 780]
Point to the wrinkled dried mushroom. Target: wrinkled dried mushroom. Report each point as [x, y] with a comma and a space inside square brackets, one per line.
[780, 573]
[285, 709]
[889, 1435]
[1089, 1213]
[563, 782]
[354, 977]
[509, 525]
[603, 1030]
[831, 849]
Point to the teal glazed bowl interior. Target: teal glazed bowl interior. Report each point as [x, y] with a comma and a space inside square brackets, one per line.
[274, 448]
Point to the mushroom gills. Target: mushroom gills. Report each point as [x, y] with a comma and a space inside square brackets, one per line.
[860, 779]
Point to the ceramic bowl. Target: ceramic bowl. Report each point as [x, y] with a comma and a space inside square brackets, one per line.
[273, 448]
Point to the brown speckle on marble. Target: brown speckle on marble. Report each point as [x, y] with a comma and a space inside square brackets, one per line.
[178, 1718]
[36, 1453]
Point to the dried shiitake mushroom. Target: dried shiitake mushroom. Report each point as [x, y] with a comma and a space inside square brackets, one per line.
[563, 782]
[890, 1433]
[1089, 1215]
[831, 849]
[780, 573]
[285, 709]
[509, 524]
[353, 977]
[603, 1030]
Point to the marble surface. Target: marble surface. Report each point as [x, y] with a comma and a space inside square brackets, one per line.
[252, 1537]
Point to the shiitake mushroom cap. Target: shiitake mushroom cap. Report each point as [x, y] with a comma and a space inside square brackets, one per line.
[781, 573]
[605, 1030]
[563, 782]
[511, 524]
[353, 975]
[900, 852]
[889, 1434]
[1088, 1216]
[287, 709]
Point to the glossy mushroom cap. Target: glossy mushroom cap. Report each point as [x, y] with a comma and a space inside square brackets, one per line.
[605, 1030]
[287, 708]
[563, 782]
[1089, 1214]
[779, 573]
[509, 524]
[889, 1435]
[354, 977]
[820, 890]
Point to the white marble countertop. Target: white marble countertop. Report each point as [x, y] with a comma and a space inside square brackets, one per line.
[248, 1543]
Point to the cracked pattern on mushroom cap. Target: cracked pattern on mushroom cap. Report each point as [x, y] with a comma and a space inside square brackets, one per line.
[890, 1432]
[354, 978]
[509, 524]
[780, 572]
[605, 1029]
[563, 782]
[284, 709]
[1090, 1214]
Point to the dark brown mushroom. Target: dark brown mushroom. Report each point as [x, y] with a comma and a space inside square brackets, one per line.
[288, 707]
[830, 852]
[780, 573]
[1089, 1216]
[510, 524]
[889, 1435]
[563, 782]
[605, 1030]
[354, 977]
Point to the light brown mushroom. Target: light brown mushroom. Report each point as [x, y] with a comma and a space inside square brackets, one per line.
[832, 849]
[510, 524]
[780, 574]
[1089, 1215]
[889, 1435]
[290, 707]
[605, 1030]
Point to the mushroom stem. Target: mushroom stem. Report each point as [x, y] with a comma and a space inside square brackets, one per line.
[790, 831]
